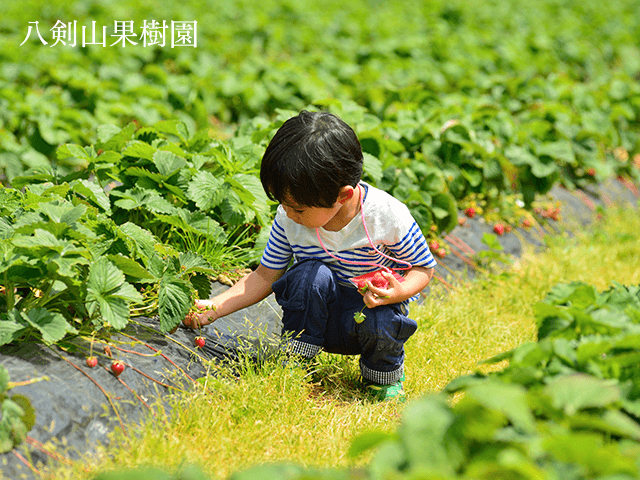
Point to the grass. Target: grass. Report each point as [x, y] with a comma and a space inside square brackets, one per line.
[275, 414]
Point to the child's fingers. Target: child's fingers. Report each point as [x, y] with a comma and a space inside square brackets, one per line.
[393, 281]
[203, 304]
[380, 292]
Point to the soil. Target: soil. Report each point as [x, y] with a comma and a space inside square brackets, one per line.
[78, 407]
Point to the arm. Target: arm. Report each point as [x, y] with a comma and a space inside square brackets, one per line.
[249, 290]
[415, 281]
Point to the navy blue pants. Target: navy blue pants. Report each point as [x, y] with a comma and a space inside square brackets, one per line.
[318, 314]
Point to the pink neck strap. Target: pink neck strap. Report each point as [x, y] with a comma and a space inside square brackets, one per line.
[361, 197]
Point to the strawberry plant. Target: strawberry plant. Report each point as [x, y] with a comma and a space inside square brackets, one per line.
[17, 416]
[67, 268]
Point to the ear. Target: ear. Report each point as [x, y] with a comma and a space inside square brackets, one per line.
[346, 193]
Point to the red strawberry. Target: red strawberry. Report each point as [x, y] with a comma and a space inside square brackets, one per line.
[117, 367]
[435, 245]
[470, 212]
[591, 172]
[441, 252]
[526, 223]
[362, 284]
[462, 221]
[498, 228]
[379, 281]
[92, 362]
[199, 341]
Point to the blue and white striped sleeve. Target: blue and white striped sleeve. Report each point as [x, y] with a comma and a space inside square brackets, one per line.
[413, 248]
[278, 253]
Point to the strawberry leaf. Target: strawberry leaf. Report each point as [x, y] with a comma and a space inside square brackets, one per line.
[51, 325]
[174, 301]
[109, 294]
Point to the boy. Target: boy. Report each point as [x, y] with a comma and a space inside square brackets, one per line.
[334, 227]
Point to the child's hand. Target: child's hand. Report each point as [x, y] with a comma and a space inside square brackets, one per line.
[375, 296]
[202, 313]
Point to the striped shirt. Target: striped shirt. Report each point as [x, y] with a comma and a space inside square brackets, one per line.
[391, 226]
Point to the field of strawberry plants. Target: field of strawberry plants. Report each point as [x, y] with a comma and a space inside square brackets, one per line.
[129, 152]
[457, 106]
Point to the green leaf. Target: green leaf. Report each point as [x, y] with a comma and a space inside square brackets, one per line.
[109, 294]
[114, 138]
[173, 127]
[12, 327]
[92, 191]
[168, 163]
[368, 441]
[372, 166]
[202, 284]
[67, 150]
[12, 430]
[192, 262]
[445, 210]
[508, 399]
[29, 415]
[4, 380]
[130, 267]
[138, 149]
[205, 190]
[561, 150]
[572, 393]
[544, 167]
[141, 242]
[590, 454]
[491, 241]
[424, 435]
[44, 239]
[174, 301]
[196, 222]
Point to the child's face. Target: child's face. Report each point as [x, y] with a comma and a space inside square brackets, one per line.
[310, 217]
[316, 217]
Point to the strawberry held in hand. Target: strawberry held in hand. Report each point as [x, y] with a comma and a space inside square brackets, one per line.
[379, 281]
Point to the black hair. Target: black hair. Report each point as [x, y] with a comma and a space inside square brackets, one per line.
[310, 158]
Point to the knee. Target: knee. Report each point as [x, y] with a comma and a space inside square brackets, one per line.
[322, 277]
[305, 278]
[387, 327]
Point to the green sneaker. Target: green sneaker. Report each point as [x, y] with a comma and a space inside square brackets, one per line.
[394, 391]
